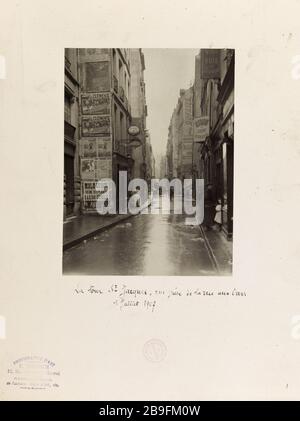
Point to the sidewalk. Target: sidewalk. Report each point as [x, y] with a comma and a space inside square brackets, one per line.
[82, 227]
[85, 226]
[220, 249]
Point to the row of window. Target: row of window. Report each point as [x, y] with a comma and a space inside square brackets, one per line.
[120, 130]
[121, 73]
[67, 108]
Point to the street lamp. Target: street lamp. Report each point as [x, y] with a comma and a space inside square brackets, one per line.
[134, 142]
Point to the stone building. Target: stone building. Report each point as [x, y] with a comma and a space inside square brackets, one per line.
[213, 131]
[104, 96]
[71, 135]
[138, 110]
[201, 136]
[187, 134]
[179, 152]
[162, 167]
[169, 154]
[150, 160]
[104, 77]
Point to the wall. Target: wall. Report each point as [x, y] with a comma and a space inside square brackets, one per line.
[138, 104]
[95, 122]
[71, 133]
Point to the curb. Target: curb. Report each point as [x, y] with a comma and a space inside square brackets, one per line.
[210, 251]
[90, 234]
[78, 240]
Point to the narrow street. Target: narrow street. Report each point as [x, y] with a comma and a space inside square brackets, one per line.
[143, 245]
[125, 121]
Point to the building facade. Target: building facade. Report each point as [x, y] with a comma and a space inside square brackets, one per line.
[150, 160]
[72, 183]
[104, 96]
[201, 133]
[104, 77]
[215, 149]
[138, 110]
[179, 152]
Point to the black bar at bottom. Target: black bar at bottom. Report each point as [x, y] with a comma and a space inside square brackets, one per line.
[130, 410]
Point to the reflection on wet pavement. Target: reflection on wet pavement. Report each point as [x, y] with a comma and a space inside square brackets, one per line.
[144, 245]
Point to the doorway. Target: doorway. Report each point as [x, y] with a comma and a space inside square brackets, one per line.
[69, 174]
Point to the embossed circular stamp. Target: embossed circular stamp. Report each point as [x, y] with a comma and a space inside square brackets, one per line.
[155, 350]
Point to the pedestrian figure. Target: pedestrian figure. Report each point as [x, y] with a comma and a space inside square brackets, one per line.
[218, 216]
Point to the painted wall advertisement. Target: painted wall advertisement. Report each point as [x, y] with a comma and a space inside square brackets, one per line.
[90, 194]
[95, 169]
[95, 125]
[188, 114]
[96, 76]
[187, 152]
[87, 169]
[97, 103]
[201, 128]
[93, 54]
[103, 168]
[104, 147]
[96, 147]
[88, 148]
[210, 63]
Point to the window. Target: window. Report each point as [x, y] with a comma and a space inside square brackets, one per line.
[123, 134]
[115, 63]
[117, 125]
[120, 73]
[122, 124]
[67, 108]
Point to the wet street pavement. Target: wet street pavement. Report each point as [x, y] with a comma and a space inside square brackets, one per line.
[143, 245]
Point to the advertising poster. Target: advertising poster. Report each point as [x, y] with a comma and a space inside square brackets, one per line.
[210, 63]
[103, 168]
[88, 148]
[95, 125]
[97, 103]
[187, 152]
[104, 147]
[87, 169]
[201, 128]
[90, 194]
[97, 76]
[93, 54]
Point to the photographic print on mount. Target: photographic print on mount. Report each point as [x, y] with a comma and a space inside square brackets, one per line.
[148, 162]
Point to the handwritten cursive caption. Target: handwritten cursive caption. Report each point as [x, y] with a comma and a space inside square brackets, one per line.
[149, 299]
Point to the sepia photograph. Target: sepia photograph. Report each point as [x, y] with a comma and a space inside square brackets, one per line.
[150, 265]
[148, 143]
